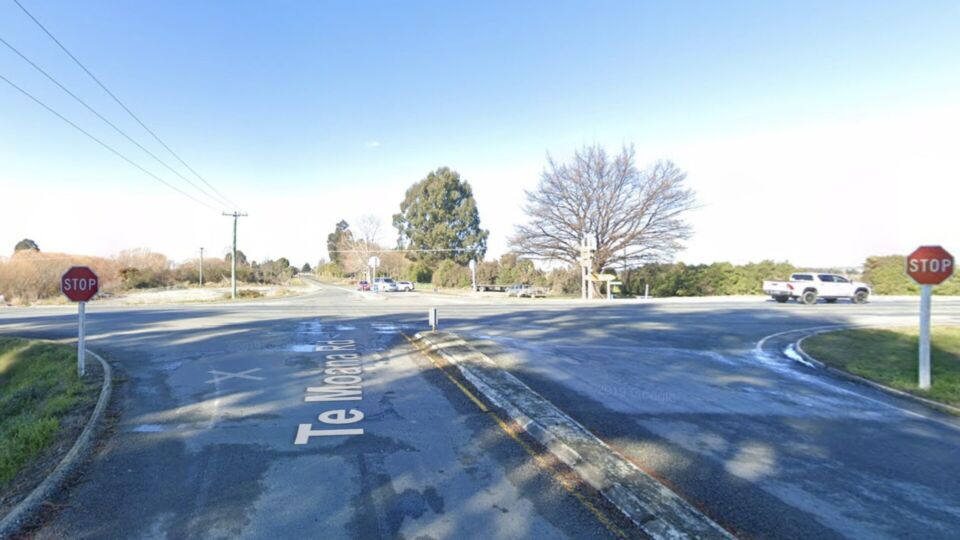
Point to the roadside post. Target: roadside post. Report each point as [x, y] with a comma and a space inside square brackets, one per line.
[80, 284]
[587, 248]
[927, 266]
[434, 322]
[373, 263]
[473, 274]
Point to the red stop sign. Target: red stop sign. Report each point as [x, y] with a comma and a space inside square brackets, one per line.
[79, 284]
[930, 265]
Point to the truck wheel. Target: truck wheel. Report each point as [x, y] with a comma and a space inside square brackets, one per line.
[781, 299]
[860, 297]
[809, 297]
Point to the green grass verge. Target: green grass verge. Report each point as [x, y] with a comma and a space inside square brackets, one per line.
[39, 387]
[889, 356]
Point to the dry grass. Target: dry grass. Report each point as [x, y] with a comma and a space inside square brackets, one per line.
[29, 276]
[889, 356]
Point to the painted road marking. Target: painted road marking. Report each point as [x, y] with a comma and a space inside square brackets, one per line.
[841, 388]
[342, 381]
[512, 432]
[219, 376]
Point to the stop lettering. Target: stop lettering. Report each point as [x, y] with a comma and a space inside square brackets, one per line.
[930, 265]
[79, 284]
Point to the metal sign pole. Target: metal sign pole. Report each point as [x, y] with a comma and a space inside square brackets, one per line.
[81, 341]
[925, 297]
[583, 282]
[473, 274]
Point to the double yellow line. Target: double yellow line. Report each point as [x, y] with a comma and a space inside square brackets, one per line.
[513, 433]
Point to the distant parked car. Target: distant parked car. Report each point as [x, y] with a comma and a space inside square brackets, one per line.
[405, 286]
[363, 286]
[384, 284]
[529, 291]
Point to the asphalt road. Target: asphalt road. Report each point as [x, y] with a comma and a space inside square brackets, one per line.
[214, 396]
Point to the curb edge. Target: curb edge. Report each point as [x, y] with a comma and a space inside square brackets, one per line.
[936, 405]
[28, 507]
[612, 490]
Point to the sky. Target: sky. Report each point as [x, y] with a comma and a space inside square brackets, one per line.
[817, 132]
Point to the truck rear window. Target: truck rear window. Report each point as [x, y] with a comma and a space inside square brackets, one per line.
[802, 277]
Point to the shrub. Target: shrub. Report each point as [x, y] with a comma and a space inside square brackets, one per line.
[331, 269]
[29, 275]
[451, 274]
[248, 293]
[564, 280]
[721, 278]
[887, 275]
[420, 272]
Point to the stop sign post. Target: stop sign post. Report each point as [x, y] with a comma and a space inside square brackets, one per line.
[80, 284]
[927, 266]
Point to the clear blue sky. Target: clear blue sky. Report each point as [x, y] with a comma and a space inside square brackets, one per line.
[298, 99]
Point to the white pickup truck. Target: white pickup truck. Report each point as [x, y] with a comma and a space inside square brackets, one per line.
[807, 287]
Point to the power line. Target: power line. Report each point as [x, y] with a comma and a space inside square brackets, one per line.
[109, 123]
[121, 104]
[105, 145]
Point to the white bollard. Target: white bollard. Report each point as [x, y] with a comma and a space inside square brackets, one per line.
[434, 321]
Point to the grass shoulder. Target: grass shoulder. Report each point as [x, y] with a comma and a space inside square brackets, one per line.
[889, 357]
[43, 406]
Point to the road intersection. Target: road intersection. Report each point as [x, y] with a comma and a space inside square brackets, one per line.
[698, 394]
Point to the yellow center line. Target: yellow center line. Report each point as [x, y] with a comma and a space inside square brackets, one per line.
[512, 433]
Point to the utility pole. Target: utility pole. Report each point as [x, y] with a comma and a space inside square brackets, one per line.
[233, 257]
[201, 267]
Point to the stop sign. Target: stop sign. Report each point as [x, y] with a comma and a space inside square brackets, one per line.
[79, 284]
[930, 265]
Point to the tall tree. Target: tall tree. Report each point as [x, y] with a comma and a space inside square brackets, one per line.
[26, 245]
[440, 213]
[336, 239]
[633, 216]
[241, 258]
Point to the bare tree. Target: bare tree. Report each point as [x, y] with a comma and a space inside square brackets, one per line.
[634, 216]
[358, 247]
